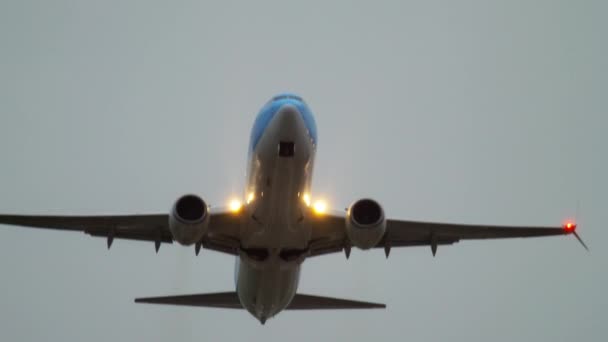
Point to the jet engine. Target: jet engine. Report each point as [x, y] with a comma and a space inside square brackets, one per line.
[365, 223]
[189, 219]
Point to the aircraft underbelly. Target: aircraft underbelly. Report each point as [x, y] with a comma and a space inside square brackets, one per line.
[277, 181]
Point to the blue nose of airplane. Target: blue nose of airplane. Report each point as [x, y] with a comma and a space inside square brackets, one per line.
[289, 105]
[288, 117]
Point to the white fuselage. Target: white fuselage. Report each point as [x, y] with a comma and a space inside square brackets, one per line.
[276, 232]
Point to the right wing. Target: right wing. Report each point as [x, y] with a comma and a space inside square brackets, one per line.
[223, 235]
[329, 233]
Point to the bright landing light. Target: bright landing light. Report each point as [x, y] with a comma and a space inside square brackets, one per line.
[320, 207]
[235, 205]
[250, 197]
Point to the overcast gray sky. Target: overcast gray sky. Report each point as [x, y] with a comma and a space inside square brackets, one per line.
[465, 111]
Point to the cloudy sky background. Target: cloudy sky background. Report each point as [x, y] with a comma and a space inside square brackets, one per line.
[463, 111]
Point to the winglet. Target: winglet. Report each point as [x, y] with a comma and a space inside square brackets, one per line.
[570, 228]
[580, 240]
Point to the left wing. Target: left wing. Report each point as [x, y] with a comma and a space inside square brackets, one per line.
[329, 233]
[223, 235]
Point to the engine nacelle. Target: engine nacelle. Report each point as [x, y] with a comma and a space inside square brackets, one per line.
[365, 223]
[189, 219]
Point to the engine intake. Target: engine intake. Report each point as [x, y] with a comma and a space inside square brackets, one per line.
[189, 219]
[366, 212]
[365, 223]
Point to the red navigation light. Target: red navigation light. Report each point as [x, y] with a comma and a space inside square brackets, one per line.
[569, 226]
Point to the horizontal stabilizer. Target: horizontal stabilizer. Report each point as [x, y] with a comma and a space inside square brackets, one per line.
[225, 300]
[230, 300]
[308, 302]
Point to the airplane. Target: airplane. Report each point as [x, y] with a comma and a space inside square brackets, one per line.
[277, 225]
